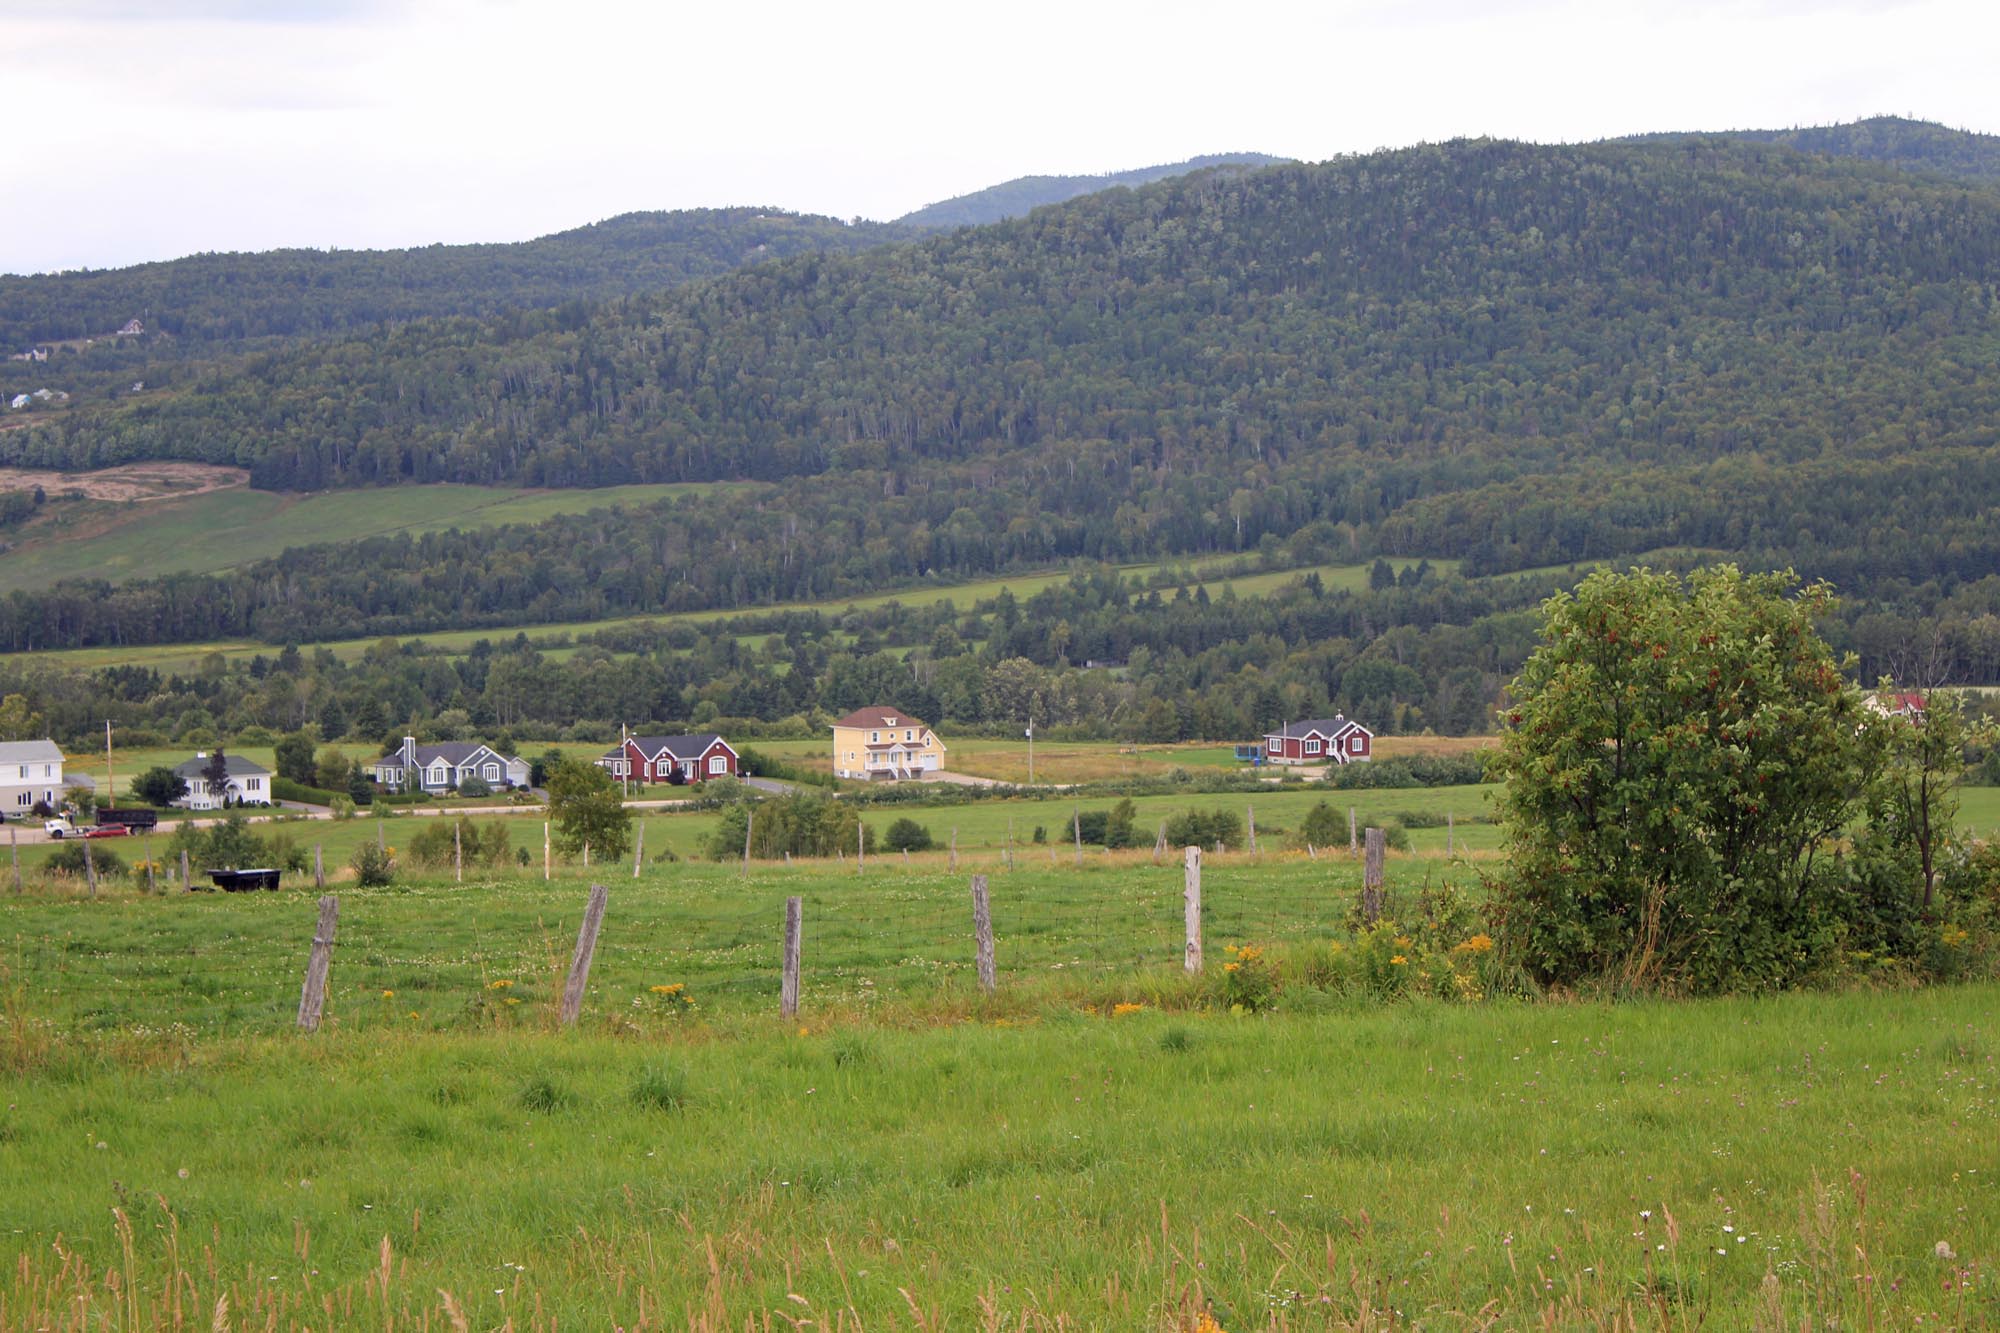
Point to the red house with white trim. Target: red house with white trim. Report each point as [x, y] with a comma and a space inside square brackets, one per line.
[674, 759]
[1320, 740]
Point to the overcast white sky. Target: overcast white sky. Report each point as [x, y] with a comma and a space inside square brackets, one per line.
[147, 129]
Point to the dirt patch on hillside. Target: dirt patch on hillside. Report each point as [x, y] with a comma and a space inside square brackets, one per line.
[137, 482]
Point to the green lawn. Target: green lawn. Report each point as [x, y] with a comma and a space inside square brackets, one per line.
[219, 530]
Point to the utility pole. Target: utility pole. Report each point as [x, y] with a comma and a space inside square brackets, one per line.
[1031, 751]
[110, 782]
[624, 763]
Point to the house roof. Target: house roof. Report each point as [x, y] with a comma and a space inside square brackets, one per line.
[235, 764]
[30, 752]
[1327, 727]
[454, 753]
[880, 717]
[680, 747]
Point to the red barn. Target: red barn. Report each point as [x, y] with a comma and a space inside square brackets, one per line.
[1324, 740]
[673, 759]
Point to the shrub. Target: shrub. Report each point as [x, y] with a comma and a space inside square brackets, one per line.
[480, 843]
[907, 835]
[373, 866]
[475, 786]
[1205, 828]
[68, 860]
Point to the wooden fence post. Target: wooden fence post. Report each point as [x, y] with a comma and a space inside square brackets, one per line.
[586, 856]
[319, 868]
[1076, 821]
[1191, 911]
[982, 934]
[860, 846]
[749, 827]
[1312, 852]
[152, 884]
[1010, 842]
[639, 849]
[1450, 834]
[954, 849]
[1353, 841]
[312, 998]
[788, 991]
[90, 867]
[1252, 811]
[548, 855]
[586, 949]
[1371, 878]
[187, 880]
[1160, 843]
[458, 850]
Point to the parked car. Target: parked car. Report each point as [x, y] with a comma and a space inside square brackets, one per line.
[106, 831]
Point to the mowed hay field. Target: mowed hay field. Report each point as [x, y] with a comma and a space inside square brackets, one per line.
[907, 1154]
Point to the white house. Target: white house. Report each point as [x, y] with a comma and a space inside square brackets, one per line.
[246, 784]
[31, 771]
[445, 767]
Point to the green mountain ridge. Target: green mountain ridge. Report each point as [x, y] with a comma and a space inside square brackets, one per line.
[1024, 194]
[1514, 355]
[1893, 141]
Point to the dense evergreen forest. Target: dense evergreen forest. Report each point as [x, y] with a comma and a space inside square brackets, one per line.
[1513, 355]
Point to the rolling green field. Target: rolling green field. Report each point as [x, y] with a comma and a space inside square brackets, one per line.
[1102, 1144]
[222, 529]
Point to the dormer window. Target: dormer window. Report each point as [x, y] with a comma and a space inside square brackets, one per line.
[891, 721]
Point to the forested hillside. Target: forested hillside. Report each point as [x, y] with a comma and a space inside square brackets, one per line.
[1024, 194]
[1514, 355]
[1911, 145]
[221, 298]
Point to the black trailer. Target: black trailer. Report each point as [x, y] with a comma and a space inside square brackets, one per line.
[136, 818]
[239, 881]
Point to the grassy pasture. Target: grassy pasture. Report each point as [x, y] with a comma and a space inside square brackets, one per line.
[221, 529]
[908, 1155]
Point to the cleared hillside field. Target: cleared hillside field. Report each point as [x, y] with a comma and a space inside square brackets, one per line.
[221, 529]
[908, 1155]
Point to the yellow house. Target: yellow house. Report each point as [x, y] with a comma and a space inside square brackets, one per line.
[884, 743]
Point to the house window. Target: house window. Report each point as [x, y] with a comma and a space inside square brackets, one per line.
[1312, 745]
[908, 737]
[24, 770]
[718, 763]
[48, 770]
[492, 772]
[874, 737]
[252, 784]
[1356, 746]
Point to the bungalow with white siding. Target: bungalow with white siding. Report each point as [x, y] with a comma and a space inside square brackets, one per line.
[245, 784]
[1320, 740]
[674, 759]
[445, 766]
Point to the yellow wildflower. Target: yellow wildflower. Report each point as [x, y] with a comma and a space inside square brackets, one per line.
[502, 984]
[1231, 967]
[674, 989]
[1399, 960]
[388, 995]
[1477, 944]
[1120, 1010]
